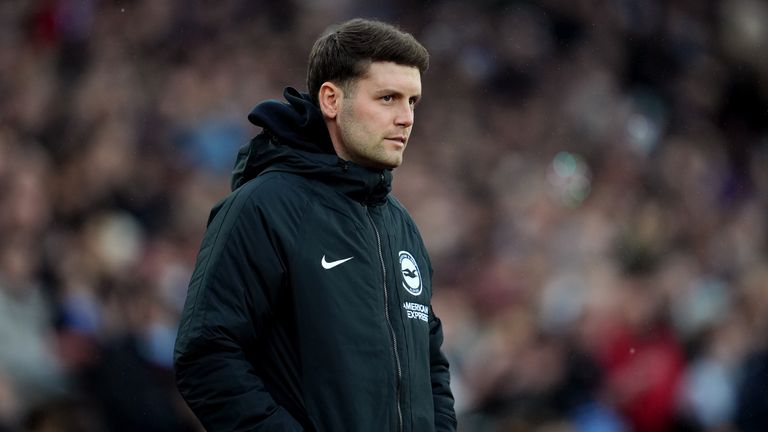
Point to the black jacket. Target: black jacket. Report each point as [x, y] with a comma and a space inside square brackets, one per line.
[309, 306]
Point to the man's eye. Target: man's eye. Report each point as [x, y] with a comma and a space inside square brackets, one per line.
[387, 98]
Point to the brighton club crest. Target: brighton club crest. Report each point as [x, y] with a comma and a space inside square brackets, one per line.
[411, 274]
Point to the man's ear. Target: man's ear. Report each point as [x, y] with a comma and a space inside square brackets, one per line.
[329, 97]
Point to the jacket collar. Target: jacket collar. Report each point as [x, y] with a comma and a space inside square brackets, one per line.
[295, 139]
[265, 153]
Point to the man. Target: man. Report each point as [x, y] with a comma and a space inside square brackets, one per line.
[309, 306]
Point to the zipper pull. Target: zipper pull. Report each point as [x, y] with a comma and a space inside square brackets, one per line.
[344, 165]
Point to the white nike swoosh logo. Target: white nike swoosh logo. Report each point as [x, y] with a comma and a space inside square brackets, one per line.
[329, 265]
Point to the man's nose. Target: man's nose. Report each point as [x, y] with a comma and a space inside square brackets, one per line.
[404, 117]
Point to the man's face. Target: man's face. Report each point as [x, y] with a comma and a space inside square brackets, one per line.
[376, 115]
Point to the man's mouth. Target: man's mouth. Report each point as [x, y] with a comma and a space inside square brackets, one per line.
[401, 139]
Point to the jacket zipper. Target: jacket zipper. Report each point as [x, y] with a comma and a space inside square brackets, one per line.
[389, 324]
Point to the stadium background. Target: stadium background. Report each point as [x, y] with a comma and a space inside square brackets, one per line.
[591, 178]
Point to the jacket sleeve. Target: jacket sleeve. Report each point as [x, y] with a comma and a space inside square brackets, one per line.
[442, 397]
[445, 416]
[225, 311]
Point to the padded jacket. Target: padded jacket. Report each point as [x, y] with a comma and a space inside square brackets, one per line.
[309, 305]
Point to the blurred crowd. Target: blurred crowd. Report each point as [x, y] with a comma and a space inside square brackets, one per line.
[590, 177]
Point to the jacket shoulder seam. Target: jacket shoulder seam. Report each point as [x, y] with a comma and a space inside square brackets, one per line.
[239, 197]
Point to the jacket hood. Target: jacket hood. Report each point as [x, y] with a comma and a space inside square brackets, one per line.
[297, 123]
[295, 139]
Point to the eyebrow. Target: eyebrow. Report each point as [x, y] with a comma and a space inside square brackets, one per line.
[386, 91]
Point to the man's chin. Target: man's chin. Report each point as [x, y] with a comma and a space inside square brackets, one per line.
[392, 164]
[382, 164]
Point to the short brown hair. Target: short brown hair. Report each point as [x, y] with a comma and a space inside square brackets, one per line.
[345, 51]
